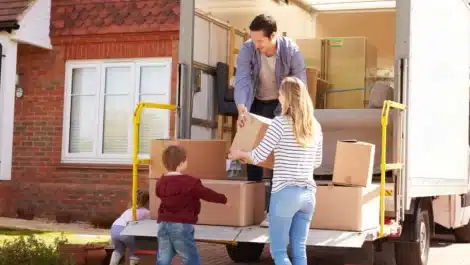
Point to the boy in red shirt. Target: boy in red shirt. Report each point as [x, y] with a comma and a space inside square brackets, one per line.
[180, 205]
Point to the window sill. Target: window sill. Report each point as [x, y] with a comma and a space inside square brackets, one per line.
[103, 166]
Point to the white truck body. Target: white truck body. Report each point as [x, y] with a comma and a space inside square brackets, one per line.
[434, 37]
[433, 48]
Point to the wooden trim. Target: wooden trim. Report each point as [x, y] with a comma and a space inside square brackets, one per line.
[210, 124]
[218, 22]
[205, 68]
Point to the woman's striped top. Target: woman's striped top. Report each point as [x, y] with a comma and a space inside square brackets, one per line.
[293, 164]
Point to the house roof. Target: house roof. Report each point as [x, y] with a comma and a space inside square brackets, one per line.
[11, 10]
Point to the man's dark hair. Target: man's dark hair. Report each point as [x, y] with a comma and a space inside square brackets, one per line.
[265, 23]
[173, 156]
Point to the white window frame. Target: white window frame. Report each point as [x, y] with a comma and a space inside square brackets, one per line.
[96, 157]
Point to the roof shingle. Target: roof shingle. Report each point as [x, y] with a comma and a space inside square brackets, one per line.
[11, 10]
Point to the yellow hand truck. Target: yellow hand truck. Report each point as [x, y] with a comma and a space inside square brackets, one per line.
[135, 152]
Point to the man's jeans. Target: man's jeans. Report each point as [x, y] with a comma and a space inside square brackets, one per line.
[265, 109]
[177, 238]
[291, 211]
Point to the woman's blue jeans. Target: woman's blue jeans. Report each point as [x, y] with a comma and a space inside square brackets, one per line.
[291, 211]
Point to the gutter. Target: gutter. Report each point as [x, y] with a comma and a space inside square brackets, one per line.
[9, 26]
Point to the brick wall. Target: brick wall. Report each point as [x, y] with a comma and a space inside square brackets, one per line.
[81, 29]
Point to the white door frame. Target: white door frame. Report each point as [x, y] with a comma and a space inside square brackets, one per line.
[7, 103]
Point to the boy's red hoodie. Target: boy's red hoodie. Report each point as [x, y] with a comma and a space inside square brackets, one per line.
[180, 197]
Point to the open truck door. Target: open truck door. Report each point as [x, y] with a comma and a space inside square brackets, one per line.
[432, 60]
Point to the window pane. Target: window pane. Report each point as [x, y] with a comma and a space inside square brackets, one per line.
[84, 81]
[116, 124]
[82, 129]
[154, 79]
[154, 123]
[118, 80]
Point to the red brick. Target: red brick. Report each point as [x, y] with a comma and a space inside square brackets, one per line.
[81, 29]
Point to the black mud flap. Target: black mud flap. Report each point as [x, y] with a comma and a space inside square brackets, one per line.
[340, 256]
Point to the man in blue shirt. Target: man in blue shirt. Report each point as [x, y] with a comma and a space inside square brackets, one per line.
[263, 62]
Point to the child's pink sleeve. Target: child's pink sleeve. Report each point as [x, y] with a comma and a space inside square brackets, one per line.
[143, 214]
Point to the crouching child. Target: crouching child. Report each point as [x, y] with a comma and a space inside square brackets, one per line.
[122, 242]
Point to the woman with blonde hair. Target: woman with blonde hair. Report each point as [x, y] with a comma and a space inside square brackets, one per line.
[296, 139]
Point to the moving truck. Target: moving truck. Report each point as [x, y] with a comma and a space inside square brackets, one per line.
[426, 182]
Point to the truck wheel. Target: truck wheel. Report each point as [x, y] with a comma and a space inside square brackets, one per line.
[416, 253]
[245, 252]
[462, 234]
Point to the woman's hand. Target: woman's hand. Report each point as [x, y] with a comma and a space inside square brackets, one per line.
[239, 155]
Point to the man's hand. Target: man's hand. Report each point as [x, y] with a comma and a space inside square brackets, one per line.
[242, 112]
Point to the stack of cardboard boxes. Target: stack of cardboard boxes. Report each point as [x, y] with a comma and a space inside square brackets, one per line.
[207, 160]
[350, 202]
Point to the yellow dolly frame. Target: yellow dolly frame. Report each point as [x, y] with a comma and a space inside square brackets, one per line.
[135, 154]
[383, 160]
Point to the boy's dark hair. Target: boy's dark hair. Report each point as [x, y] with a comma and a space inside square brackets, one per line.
[173, 156]
[142, 198]
[265, 23]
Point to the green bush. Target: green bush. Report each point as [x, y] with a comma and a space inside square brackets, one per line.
[30, 251]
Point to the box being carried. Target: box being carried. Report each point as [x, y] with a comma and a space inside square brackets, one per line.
[249, 136]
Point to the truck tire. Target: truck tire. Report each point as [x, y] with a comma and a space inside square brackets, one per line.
[462, 234]
[416, 253]
[245, 252]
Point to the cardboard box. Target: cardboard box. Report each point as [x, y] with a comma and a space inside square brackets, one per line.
[360, 124]
[249, 136]
[245, 203]
[312, 80]
[347, 208]
[322, 87]
[206, 158]
[354, 162]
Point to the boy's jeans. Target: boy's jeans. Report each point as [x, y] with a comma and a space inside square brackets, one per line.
[291, 211]
[177, 238]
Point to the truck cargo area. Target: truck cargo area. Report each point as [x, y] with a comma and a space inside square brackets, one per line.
[347, 58]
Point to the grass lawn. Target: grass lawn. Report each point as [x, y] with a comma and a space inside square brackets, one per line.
[49, 237]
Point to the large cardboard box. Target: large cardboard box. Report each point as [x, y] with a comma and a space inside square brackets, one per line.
[245, 203]
[354, 162]
[249, 136]
[347, 208]
[206, 158]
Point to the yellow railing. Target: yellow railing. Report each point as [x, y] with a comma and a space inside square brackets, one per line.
[383, 157]
[135, 155]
